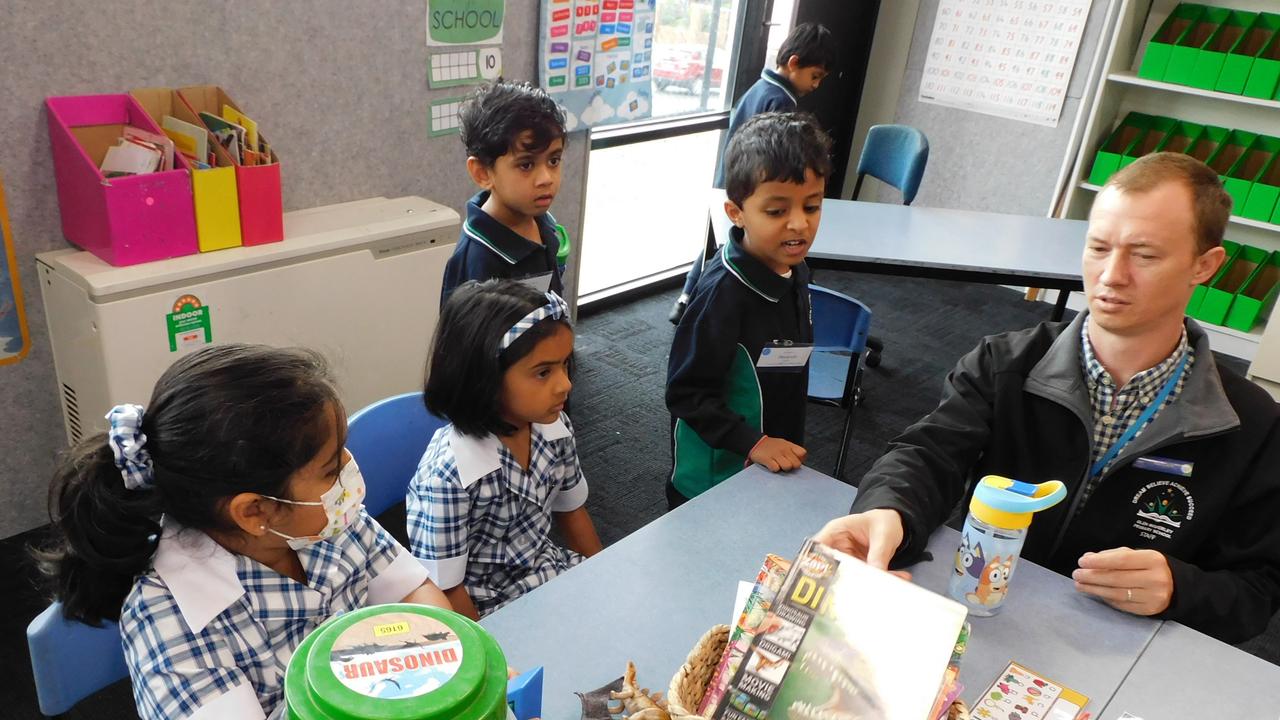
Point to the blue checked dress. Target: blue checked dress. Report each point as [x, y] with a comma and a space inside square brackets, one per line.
[208, 633]
[476, 518]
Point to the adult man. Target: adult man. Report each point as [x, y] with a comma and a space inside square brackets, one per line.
[1172, 463]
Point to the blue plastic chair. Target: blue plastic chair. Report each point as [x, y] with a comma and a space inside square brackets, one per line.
[840, 327]
[388, 438]
[71, 660]
[895, 154]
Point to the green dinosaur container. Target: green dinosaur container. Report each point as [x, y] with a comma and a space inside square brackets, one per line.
[397, 662]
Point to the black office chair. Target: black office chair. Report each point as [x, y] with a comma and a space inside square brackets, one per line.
[896, 155]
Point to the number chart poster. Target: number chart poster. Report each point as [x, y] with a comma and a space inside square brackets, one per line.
[595, 58]
[1009, 58]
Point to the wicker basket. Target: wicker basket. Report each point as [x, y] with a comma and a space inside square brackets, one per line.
[690, 681]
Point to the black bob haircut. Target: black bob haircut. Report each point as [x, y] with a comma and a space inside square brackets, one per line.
[812, 44]
[498, 113]
[464, 374]
[774, 146]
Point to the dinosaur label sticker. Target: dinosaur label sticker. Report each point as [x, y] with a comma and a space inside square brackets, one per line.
[1020, 694]
[396, 655]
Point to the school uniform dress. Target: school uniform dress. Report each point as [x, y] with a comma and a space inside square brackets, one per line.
[208, 633]
[487, 249]
[478, 519]
[721, 403]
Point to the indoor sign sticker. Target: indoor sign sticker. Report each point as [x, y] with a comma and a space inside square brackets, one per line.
[189, 324]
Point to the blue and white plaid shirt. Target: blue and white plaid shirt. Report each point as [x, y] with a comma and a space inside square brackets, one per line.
[476, 518]
[208, 633]
[1115, 409]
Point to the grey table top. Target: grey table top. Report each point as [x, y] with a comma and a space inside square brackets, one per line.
[961, 241]
[649, 597]
[1186, 674]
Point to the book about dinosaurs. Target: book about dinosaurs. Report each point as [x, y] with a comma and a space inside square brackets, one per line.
[844, 640]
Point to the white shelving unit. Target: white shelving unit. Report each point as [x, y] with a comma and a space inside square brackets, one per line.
[1117, 91]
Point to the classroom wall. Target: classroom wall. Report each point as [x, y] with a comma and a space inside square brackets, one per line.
[976, 161]
[886, 66]
[339, 88]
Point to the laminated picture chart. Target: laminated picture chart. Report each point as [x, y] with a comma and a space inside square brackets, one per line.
[595, 58]
[1009, 58]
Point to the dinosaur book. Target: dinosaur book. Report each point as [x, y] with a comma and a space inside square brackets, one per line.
[844, 641]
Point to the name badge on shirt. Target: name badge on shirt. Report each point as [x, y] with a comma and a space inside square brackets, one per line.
[784, 355]
[1168, 466]
[541, 283]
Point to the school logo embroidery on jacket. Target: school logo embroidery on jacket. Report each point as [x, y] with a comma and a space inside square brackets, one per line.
[1162, 508]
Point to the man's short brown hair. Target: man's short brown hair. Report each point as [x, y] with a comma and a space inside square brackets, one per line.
[1212, 203]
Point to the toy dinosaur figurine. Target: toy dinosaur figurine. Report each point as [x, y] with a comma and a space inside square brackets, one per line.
[637, 703]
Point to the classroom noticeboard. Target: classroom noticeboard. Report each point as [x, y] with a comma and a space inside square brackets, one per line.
[14, 339]
[595, 58]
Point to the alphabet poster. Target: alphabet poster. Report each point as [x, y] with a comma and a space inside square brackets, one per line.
[595, 58]
[1009, 58]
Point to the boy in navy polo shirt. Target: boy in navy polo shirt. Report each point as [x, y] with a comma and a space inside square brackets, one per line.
[737, 379]
[514, 134]
[804, 59]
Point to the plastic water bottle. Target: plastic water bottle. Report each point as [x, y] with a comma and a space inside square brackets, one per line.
[991, 541]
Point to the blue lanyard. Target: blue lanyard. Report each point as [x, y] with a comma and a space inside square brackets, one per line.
[1143, 419]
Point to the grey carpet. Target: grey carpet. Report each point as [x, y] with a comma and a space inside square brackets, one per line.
[621, 425]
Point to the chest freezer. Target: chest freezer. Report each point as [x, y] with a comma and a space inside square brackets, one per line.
[358, 281]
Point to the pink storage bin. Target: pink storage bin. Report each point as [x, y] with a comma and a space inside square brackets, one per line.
[124, 220]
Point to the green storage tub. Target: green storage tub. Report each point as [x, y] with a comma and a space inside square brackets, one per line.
[1239, 62]
[1213, 56]
[1157, 128]
[397, 662]
[1242, 175]
[1255, 300]
[1181, 137]
[1197, 295]
[1229, 151]
[1207, 144]
[1264, 76]
[1156, 58]
[1265, 194]
[1218, 298]
[1186, 52]
[1121, 140]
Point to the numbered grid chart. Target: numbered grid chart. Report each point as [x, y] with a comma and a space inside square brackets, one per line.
[444, 116]
[1011, 58]
[454, 68]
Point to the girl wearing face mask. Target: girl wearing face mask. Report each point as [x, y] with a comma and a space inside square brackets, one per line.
[221, 524]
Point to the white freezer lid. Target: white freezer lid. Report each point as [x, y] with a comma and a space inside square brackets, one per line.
[307, 233]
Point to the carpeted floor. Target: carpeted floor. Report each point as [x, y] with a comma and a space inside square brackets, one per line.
[621, 425]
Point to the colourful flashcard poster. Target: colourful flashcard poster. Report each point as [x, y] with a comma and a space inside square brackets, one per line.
[464, 22]
[1004, 58]
[14, 338]
[595, 57]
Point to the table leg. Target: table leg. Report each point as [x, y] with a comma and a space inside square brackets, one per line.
[1060, 306]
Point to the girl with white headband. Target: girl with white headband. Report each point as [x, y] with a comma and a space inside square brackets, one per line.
[493, 481]
[220, 525]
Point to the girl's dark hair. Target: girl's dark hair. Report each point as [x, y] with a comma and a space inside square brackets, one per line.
[464, 373]
[223, 420]
[774, 146]
[496, 114]
[812, 44]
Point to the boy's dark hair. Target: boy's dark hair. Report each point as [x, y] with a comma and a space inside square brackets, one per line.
[812, 44]
[224, 420]
[464, 374]
[497, 113]
[774, 146]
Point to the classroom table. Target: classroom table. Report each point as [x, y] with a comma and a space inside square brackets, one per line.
[650, 596]
[943, 244]
[1187, 674]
